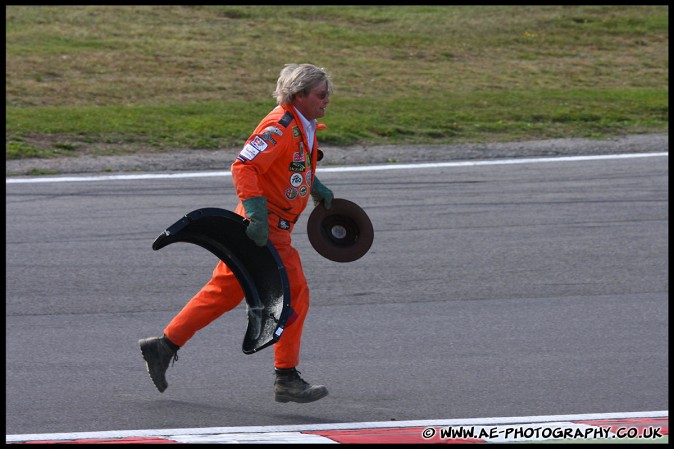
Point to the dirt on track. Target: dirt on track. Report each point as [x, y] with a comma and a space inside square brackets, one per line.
[219, 160]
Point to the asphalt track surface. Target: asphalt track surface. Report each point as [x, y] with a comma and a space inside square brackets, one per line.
[491, 290]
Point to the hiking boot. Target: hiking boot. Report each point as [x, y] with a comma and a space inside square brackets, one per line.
[158, 352]
[289, 386]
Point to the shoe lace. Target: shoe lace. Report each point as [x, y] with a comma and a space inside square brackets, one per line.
[174, 355]
[297, 376]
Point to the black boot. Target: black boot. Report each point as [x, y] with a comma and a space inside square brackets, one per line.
[158, 352]
[289, 386]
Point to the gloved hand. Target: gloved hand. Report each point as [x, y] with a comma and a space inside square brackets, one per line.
[321, 193]
[256, 211]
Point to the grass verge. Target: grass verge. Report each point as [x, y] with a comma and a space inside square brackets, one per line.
[125, 79]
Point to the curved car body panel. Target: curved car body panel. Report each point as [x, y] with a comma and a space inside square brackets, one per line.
[259, 270]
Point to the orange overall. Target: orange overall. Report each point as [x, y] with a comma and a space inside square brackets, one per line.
[274, 163]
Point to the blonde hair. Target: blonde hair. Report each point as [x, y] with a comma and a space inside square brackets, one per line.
[296, 78]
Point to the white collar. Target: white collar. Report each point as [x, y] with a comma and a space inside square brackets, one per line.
[308, 125]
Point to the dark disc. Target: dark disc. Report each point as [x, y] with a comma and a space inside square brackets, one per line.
[342, 233]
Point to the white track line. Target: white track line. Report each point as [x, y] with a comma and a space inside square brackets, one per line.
[356, 168]
[334, 426]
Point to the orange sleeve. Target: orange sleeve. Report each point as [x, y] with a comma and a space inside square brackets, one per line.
[269, 142]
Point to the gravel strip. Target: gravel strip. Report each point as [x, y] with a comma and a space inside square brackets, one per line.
[198, 160]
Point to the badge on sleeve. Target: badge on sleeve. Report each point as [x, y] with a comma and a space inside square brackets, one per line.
[258, 143]
[283, 224]
[248, 153]
[267, 134]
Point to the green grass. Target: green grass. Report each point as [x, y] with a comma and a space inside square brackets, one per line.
[101, 79]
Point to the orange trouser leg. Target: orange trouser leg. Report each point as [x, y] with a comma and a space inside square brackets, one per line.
[221, 294]
[287, 349]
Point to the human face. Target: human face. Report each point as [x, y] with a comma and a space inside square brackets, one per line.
[313, 104]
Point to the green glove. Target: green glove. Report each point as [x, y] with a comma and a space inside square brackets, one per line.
[321, 193]
[256, 211]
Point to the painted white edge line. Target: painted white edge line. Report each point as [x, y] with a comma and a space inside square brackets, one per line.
[351, 168]
[336, 426]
